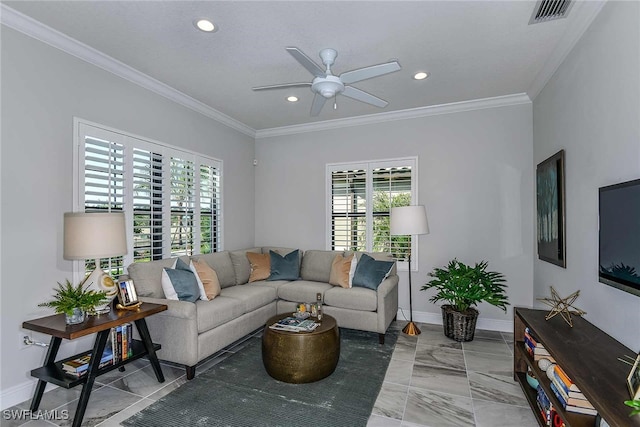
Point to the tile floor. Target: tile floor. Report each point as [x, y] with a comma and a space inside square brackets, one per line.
[431, 381]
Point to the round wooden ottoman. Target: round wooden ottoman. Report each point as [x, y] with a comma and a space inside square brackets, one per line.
[301, 357]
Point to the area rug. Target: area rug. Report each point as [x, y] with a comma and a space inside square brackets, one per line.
[238, 392]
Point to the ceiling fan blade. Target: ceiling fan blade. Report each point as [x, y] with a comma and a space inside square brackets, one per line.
[280, 86]
[362, 96]
[306, 62]
[317, 104]
[369, 72]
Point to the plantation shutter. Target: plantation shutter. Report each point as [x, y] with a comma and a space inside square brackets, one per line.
[148, 202]
[171, 198]
[359, 203]
[210, 209]
[348, 209]
[104, 176]
[391, 188]
[182, 191]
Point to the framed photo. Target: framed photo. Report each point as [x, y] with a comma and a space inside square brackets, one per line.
[633, 380]
[550, 202]
[127, 294]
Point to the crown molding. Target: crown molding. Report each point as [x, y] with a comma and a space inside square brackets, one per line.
[584, 17]
[39, 31]
[412, 113]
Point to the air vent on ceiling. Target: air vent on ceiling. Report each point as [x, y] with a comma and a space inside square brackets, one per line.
[548, 10]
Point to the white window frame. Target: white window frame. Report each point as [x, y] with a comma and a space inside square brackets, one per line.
[82, 127]
[369, 166]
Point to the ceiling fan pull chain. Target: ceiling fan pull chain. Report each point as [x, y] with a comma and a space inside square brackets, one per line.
[335, 102]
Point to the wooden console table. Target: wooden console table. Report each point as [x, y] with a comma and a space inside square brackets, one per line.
[587, 355]
[52, 372]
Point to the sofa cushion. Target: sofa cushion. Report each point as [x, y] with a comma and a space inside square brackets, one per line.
[241, 264]
[370, 272]
[302, 290]
[147, 276]
[260, 266]
[340, 271]
[221, 263]
[251, 296]
[217, 312]
[207, 278]
[180, 283]
[362, 299]
[275, 284]
[284, 267]
[316, 265]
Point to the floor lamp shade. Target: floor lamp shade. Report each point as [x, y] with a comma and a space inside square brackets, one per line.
[94, 235]
[409, 220]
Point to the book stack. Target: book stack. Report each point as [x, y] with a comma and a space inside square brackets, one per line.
[549, 415]
[569, 395]
[293, 324]
[121, 337]
[79, 366]
[535, 348]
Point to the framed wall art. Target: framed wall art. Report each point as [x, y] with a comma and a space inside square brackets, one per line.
[550, 214]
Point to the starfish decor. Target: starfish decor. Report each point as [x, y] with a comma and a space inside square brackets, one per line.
[562, 306]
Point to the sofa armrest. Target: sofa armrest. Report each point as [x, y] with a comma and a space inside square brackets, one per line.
[390, 284]
[176, 329]
[177, 309]
[387, 302]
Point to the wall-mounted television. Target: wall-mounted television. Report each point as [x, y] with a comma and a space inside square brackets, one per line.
[619, 252]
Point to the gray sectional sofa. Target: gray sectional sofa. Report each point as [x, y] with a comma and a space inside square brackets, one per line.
[191, 332]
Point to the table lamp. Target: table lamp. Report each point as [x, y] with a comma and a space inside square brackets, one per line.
[95, 236]
[409, 221]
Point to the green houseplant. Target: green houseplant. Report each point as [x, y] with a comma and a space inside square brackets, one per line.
[463, 287]
[635, 404]
[74, 301]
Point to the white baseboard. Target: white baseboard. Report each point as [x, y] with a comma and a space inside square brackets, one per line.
[17, 394]
[436, 319]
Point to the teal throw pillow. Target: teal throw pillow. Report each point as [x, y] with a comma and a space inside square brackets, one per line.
[370, 272]
[183, 282]
[285, 267]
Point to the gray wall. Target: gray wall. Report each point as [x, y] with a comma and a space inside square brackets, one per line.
[475, 178]
[42, 90]
[591, 109]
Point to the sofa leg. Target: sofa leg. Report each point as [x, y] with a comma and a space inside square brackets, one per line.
[191, 372]
[381, 339]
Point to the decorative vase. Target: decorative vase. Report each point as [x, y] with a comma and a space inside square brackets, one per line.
[76, 317]
[459, 326]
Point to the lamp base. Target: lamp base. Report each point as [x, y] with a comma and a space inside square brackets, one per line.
[411, 329]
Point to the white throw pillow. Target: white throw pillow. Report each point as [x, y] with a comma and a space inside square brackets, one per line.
[352, 270]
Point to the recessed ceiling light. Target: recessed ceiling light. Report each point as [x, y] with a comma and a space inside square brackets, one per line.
[205, 25]
[292, 98]
[421, 75]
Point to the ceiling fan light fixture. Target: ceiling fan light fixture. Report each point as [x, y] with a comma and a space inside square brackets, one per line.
[205, 25]
[420, 75]
[292, 98]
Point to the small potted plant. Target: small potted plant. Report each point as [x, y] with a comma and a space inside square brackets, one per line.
[75, 301]
[463, 286]
[635, 404]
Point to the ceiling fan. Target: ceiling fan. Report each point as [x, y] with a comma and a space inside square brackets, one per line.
[326, 85]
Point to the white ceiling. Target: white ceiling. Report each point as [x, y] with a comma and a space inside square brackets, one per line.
[472, 49]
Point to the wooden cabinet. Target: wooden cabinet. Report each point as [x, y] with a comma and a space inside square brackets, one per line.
[587, 355]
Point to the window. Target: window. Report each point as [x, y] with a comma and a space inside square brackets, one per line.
[359, 201]
[171, 198]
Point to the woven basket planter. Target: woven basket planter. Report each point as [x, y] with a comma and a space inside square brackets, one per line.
[459, 326]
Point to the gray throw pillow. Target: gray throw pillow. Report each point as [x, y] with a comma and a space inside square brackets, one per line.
[184, 282]
[284, 267]
[370, 272]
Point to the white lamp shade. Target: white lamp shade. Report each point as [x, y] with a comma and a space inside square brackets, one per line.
[94, 235]
[409, 220]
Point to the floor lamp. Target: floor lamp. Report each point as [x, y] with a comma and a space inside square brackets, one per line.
[409, 221]
[95, 236]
